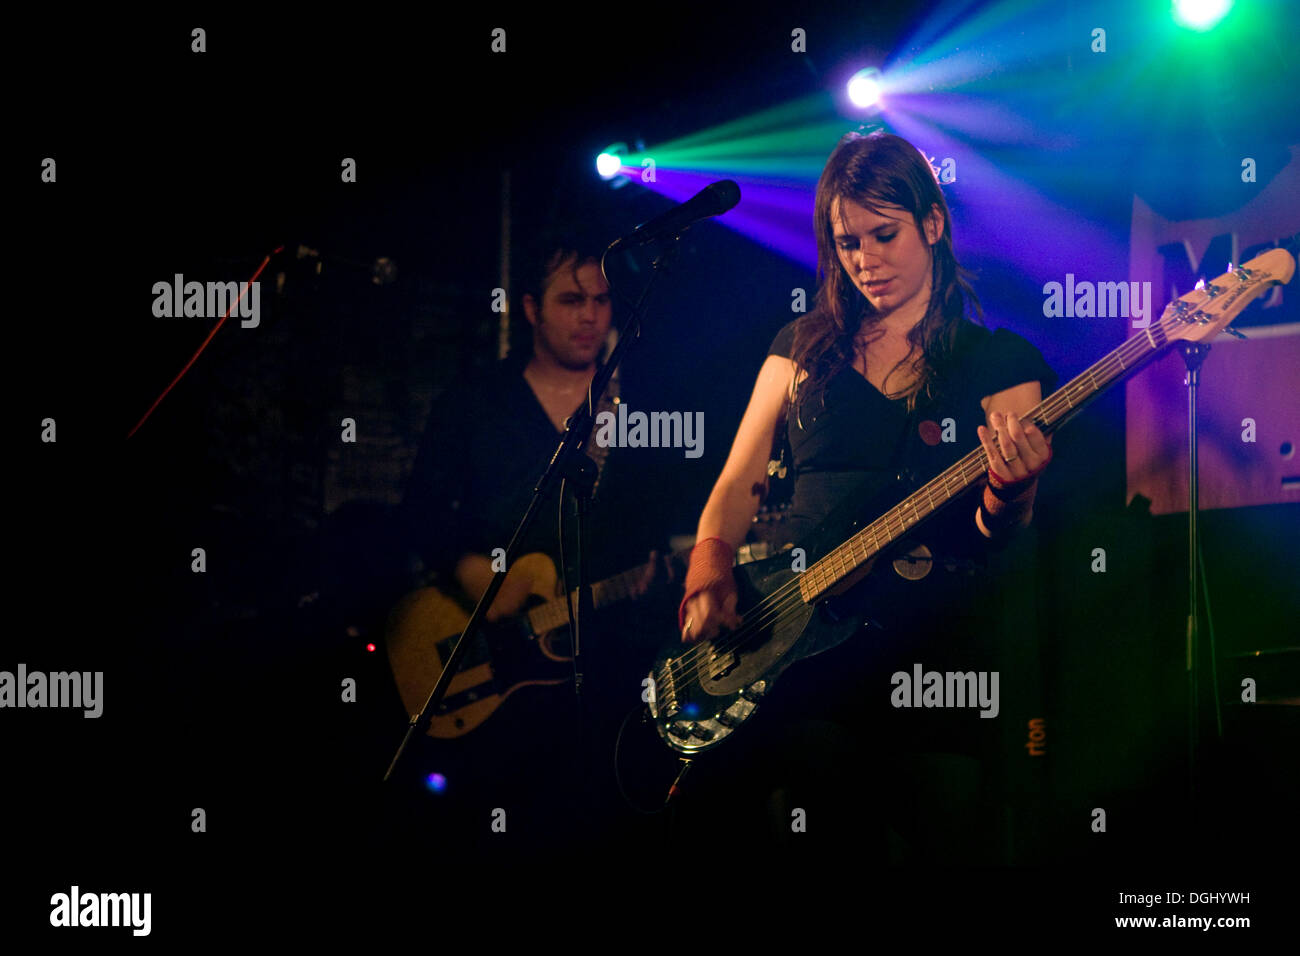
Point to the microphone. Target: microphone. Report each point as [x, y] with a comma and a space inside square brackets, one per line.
[712, 200]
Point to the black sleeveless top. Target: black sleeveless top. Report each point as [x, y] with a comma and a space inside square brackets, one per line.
[852, 430]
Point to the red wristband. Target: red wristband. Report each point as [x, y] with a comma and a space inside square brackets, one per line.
[1006, 490]
[1001, 514]
[711, 561]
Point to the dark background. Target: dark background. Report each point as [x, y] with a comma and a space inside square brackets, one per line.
[222, 688]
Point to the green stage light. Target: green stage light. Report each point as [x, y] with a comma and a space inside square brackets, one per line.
[1200, 15]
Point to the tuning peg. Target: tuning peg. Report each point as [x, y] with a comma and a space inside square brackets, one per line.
[1233, 332]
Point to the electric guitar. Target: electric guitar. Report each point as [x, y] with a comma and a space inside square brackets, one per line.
[529, 649]
[700, 694]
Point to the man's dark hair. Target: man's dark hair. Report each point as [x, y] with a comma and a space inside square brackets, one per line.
[537, 262]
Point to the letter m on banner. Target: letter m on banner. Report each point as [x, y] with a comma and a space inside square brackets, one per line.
[1252, 378]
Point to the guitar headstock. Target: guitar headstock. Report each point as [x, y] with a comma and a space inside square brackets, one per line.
[1203, 313]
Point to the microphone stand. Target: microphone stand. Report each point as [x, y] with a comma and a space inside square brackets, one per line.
[1194, 354]
[569, 463]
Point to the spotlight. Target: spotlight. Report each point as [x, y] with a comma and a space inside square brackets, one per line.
[1200, 15]
[436, 782]
[608, 165]
[610, 160]
[864, 88]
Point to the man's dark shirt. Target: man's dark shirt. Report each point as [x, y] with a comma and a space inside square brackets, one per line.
[487, 443]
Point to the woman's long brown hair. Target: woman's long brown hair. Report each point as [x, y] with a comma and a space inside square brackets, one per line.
[875, 171]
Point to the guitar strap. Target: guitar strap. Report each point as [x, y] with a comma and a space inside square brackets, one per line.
[594, 450]
[896, 460]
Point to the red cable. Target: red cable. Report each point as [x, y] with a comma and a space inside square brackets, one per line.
[215, 330]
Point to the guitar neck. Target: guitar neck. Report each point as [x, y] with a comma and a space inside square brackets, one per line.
[620, 587]
[1049, 415]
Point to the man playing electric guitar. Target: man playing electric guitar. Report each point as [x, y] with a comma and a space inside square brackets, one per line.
[488, 440]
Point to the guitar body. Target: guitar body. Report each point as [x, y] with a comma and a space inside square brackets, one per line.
[507, 656]
[706, 691]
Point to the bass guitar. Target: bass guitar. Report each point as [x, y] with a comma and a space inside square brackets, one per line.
[700, 694]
